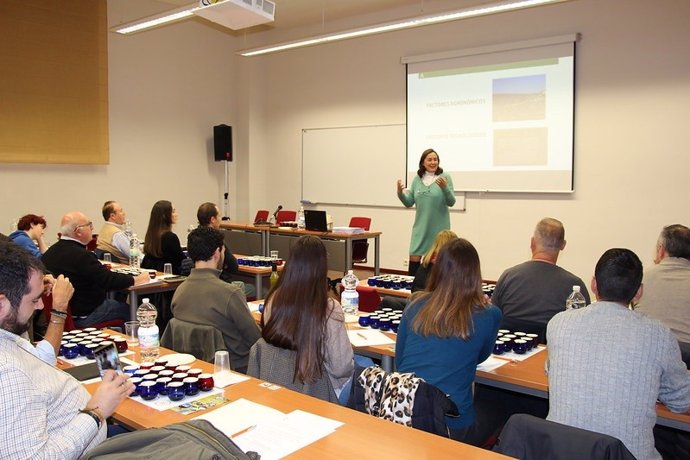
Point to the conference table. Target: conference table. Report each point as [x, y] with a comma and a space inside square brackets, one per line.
[261, 239]
[259, 273]
[360, 436]
[527, 377]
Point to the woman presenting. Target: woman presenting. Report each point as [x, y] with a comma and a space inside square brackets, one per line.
[432, 192]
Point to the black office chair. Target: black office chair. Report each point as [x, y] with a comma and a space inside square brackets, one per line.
[531, 438]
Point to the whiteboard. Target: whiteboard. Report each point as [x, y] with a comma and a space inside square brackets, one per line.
[355, 165]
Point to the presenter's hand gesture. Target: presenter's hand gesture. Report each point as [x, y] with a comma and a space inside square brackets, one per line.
[441, 182]
[400, 186]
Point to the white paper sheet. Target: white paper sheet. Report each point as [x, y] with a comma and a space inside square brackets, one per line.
[491, 363]
[239, 415]
[282, 436]
[368, 337]
[228, 378]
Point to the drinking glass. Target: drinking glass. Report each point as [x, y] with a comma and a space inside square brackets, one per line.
[167, 269]
[106, 258]
[132, 332]
[221, 363]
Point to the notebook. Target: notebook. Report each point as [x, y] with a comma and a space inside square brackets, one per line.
[315, 220]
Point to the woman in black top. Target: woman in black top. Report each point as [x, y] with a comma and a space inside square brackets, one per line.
[161, 245]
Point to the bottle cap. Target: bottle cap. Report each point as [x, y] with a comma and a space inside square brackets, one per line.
[145, 300]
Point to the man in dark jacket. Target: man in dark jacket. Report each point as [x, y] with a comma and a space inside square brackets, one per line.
[90, 278]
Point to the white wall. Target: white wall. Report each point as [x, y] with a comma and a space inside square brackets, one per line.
[169, 86]
[632, 99]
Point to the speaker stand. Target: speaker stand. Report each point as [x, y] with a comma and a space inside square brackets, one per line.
[225, 194]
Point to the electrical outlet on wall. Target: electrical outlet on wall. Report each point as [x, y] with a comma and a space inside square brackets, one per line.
[406, 263]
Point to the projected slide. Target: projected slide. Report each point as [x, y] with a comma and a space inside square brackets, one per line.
[503, 126]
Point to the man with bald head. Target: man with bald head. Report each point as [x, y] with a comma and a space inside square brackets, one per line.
[531, 293]
[91, 280]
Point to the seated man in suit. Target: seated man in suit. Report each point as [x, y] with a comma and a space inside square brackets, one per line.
[45, 413]
[205, 299]
[530, 294]
[608, 364]
[112, 237]
[90, 278]
[667, 284]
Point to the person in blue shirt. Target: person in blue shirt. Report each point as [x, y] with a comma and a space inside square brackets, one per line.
[449, 329]
[29, 234]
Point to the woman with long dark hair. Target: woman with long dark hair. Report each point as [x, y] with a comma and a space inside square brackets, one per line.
[449, 329]
[161, 245]
[432, 192]
[299, 315]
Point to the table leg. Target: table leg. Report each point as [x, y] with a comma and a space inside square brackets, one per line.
[387, 363]
[133, 305]
[348, 255]
[259, 285]
[377, 256]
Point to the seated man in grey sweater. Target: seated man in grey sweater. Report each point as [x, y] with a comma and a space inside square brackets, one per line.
[608, 364]
[204, 299]
[529, 294]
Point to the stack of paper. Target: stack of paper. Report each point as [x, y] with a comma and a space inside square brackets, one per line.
[350, 230]
[269, 432]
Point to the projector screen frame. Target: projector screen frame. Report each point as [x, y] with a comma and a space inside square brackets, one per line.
[569, 40]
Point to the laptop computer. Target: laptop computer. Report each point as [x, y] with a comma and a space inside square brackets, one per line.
[315, 220]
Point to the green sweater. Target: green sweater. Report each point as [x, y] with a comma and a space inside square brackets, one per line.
[432, 213]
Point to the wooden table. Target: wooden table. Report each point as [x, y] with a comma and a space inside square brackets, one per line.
[526, 377]
[281, 238]
[259, 273]
[147, 289]
[360, 435]
[529, 377]
[403, 293]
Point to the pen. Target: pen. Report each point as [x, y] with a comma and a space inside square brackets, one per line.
[362, 335]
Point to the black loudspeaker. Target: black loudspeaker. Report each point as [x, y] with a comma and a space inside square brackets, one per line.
[222, 142]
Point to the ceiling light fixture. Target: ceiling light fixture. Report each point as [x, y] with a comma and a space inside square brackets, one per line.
[482, 10]
[234, 14]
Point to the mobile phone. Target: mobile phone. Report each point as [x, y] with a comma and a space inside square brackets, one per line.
[107, 358]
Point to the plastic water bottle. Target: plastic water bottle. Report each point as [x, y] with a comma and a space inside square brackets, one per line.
[148, 331]
[134, 261]
[300, 218]
[350, 297]
[575, 299]
[128, 229]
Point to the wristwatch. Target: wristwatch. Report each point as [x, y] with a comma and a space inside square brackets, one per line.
[92, 413]
[59, 314]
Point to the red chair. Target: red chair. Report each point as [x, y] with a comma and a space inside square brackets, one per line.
[91, 246]
[261, 216]
[48, 308]
[360, 248]
[286, 216]
[369, 299]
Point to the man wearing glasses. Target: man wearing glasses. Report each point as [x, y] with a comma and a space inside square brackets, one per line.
[91, 280]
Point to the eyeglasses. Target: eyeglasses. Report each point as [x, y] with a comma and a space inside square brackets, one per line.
[88, 224]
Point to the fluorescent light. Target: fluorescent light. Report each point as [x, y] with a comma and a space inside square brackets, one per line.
[483, 10]
[234, 14]
[156, 19]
